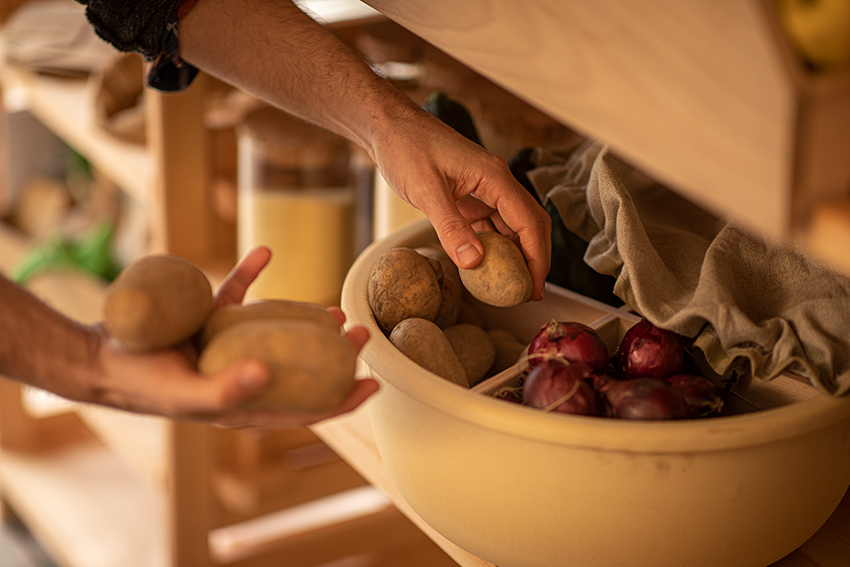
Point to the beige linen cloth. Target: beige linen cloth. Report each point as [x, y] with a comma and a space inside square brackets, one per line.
[739, 298]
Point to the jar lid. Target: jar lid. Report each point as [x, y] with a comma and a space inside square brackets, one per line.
[290, 141]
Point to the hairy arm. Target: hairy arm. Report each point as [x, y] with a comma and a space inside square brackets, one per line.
[42, 347]
[276, 52]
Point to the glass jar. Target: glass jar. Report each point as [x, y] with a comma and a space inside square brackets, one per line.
[296, 197]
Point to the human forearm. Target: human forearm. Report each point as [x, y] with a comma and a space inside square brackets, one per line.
[275, 51]
[43, 348]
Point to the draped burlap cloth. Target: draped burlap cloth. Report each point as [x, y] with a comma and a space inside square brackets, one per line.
[738, 297]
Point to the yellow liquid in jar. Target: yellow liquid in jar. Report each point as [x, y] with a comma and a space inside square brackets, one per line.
[310, 233]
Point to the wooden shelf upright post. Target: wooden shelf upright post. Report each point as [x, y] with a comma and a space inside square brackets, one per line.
[177, 140]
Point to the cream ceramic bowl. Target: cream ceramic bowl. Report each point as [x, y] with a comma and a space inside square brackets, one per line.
[521, 488]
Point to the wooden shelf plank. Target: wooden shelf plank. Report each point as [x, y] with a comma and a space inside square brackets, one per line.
[140, 440]
[697, 96]
[87, 507]
[66, 107]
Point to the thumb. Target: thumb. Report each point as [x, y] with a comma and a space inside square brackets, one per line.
[240, 382]
[458, 239]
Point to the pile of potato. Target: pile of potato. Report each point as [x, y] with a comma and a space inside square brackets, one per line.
[420, 300]
[163, 301]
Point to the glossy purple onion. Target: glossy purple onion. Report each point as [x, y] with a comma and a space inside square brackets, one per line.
[570, 341]
[555, 386]
[701, 396]
[647, 351]
[642, 399]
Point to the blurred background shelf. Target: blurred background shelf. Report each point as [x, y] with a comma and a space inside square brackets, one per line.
[77, 500]
[66, 107]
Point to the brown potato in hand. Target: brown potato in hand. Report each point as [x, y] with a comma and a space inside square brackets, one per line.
[224, 317]
[502, 278]
[312, 367]
[157, 302]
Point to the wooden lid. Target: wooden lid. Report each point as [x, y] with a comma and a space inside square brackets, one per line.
[290, 142]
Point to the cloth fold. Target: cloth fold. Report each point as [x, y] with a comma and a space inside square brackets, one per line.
[739, 298]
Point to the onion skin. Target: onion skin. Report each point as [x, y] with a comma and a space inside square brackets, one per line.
[702, 397]
[552, 381]
[642, 399]
[647, 351]
[570, 341]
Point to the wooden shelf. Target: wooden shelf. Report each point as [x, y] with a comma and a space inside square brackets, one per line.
[66, 106]
[140, 441]
[77, 501]
[706, 98]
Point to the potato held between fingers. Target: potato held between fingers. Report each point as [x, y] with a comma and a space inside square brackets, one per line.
[157, 302]
[312, 367]
[502, 278]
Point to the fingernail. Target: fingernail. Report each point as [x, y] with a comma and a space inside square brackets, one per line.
[467, 254]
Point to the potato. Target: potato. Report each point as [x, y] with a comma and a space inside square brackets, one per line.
[228, 315]
[502, 278]
[156, 302]
[451, 288]
[424, 343]
[509, 349]
[474, 348]
[403, 284]
[312, 367]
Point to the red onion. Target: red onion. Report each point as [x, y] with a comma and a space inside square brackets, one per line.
[574, 342]
[648, 351]
[642, 398]
[555, 386]
[701, 396]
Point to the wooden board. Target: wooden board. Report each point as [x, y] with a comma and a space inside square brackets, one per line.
[66, 106]
[87, 507]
